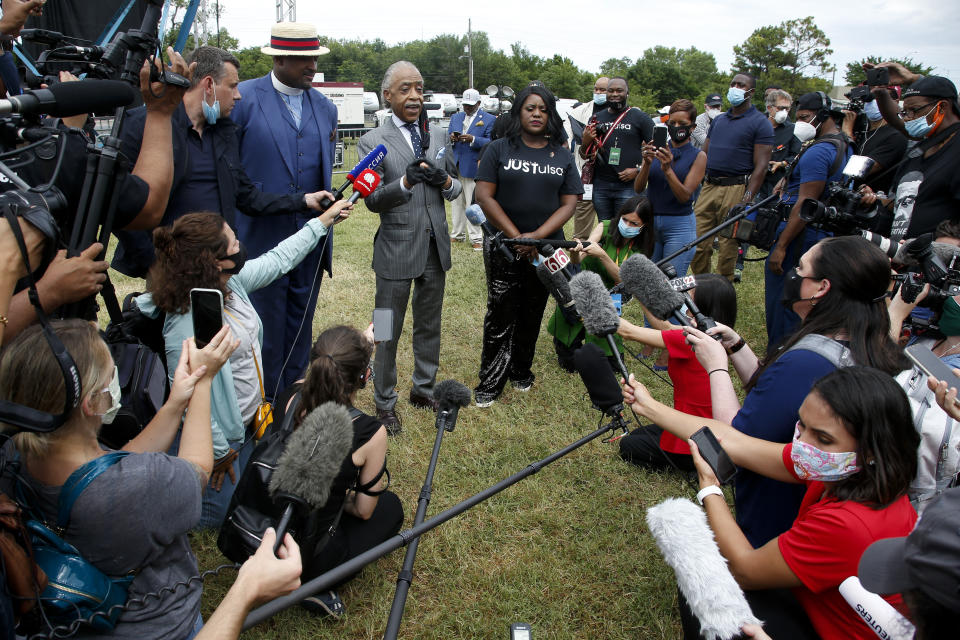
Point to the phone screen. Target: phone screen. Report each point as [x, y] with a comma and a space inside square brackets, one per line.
[206, 305]
[714, 454]
[931, 365]
[878, 77]
[660, 136]
[382, 325]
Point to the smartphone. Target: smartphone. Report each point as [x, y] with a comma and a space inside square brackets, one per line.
[714, 454]
[520, 631]
[382, 325]
[933, 366]
[206, 306]
[878, 77]
[659, 136]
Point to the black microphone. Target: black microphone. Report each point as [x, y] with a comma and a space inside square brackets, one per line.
[598, 378]
[310, 462]
[451, 396]
[558, 284]
[71, 98]
[644, 281]
[597, 311]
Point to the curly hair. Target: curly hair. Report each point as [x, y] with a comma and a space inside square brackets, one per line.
[187, 255]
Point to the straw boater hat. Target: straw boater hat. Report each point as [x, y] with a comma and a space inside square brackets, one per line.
[294, 39]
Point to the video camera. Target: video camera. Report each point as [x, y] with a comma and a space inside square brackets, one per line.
[858, 96]
[841, 210]
[930, 263]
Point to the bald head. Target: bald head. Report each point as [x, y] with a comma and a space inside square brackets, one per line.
[402, 88]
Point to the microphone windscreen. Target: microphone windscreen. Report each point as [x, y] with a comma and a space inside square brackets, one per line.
[74, 98]
[876, 612]
[370, 161]
[450, 393]
[644, 281]
[475, 214]
[367, 182]
[945, 251]
[313, 455]
[681, 531]
[594, 304]
[598, 377]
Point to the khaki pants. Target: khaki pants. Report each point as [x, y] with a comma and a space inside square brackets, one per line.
[711, 209]
[461, 228]
[584, 219]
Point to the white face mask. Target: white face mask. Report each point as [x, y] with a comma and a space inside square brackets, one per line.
[780, 117]
[713, 113]
[114, 389]
[804, 131]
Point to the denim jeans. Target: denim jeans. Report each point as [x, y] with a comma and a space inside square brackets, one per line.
[672, 232]
[608, 197]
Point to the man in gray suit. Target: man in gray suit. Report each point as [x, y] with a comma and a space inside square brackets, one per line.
[412, 245]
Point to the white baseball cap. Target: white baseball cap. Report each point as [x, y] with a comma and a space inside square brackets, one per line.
[471, 96]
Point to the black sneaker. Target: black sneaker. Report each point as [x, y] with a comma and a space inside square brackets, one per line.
[327, 604]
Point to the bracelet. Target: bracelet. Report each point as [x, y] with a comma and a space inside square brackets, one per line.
[713, 371]
[712, 490]
[739, 345]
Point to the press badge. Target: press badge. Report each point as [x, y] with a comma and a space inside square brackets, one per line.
[614, 160]
[617, 303]
[588, 192]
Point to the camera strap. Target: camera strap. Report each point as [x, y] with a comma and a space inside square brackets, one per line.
[836, 139]
[27, 417]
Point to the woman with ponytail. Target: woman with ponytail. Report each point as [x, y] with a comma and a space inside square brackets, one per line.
[360, 513]
[200, 250]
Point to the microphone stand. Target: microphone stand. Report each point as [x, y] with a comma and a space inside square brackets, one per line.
[350, 567]
[405, 578]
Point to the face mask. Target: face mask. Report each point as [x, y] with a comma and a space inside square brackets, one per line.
[804, 131]
[678, 134]
[211, 112]
[114, 389]
[811, 463]
[616, 105]
[949, 322]
[780, 117]
[239, 259]
[626, 230]
[919, 127]
[713, 113]
[791, 289]
[599, 99]
[736, 96]
[872, 109]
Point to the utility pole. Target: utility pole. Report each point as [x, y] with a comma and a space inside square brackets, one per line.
[286, 10]
[469, 54]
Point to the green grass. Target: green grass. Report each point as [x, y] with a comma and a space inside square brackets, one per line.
[566, 550]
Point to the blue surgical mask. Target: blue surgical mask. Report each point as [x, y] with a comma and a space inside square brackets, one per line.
[872, 109]
[919, 127]
[626, 230]
[600, 99]
[736, 96]
[211, 112]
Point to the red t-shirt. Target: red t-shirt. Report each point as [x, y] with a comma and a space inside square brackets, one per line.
[691, 386]
[823, 548]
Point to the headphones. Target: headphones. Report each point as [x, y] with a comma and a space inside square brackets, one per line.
[825, 110]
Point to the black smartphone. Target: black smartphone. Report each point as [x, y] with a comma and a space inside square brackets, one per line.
[206, 306]
[930, 364]
[878, 77]
[714, 454]
[520, 631]
[660, 136]
[382, 325]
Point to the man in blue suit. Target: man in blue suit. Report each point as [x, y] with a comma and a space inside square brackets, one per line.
[287, 136]
[469, 131]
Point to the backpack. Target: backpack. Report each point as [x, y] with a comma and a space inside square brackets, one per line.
[939, 454]
[137, 346]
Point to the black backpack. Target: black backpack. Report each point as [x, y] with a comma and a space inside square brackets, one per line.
[137, 346]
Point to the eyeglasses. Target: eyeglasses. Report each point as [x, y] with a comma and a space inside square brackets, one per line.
[915, 112]
[786, 108]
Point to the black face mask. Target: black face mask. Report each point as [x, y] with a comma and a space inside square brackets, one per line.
[791, 289]
[239, 259]
[616, 105]
[679, 134]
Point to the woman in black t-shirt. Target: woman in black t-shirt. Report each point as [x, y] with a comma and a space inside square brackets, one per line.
[527, 185]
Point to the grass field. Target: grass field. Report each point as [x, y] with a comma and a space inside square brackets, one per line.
[566, 550]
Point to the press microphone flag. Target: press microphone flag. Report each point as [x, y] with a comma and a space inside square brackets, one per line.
[365, 183]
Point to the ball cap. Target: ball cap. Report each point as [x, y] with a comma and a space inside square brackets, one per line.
[713, 99]
[471, 96]
[928, 559]
[294, 39]
[814, 101]
[932, 87]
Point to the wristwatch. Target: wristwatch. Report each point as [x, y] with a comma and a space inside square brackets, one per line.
[712, 490]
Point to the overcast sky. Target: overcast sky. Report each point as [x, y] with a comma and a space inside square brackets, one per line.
[593, 31]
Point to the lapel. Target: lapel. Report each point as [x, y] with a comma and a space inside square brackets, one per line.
[278, 119]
